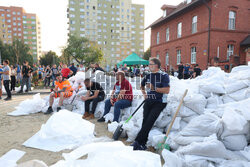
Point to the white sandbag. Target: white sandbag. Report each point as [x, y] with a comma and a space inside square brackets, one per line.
[188, 119]
[32, 163]
[241, 94]
[212, 87]
[109, 154]
[177, 124]
[234, 164]
[99, 111]
[207, 148]
[10, 158]
[186, 140]
[29, 106]
[155, 137]
[112, 127]
[199, 163]
[227, 99]
[232, 120]
[63, 130]
[228, 132]
[235, 142]
[173, 145]
[214, 101]
[171, 159]
[246, 153]
[109, 117]
[235, 86]
[162, 121]
[196, 102]
[203, 125]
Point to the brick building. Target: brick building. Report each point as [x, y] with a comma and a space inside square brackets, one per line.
[202, 32]
[16, 23]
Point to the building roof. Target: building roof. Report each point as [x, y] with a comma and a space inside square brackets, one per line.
[246, 41]
[180, 9]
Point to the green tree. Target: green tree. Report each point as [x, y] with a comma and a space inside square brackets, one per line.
[82, 51]
[49, 58]
[16, 53]
[147, 54]
[20, 51]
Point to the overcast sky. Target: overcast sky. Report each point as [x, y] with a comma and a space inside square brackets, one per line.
[53, 17]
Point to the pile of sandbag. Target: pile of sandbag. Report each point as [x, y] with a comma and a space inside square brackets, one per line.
[108, 154]
[215, 117]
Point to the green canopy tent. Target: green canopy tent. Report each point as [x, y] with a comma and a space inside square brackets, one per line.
[133, 59]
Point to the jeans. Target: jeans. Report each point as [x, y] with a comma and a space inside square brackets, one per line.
[94, 104]
[121, 104]
[13, 83]
[53, 80]
[25, 81]
[6, 84]
[47, 81]
[151, 111]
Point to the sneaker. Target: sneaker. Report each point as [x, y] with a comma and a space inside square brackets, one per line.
[49, 111]
[137, 146]
[7, 98]
[20, 91]
[26, 91]
[86, 114]
[58, 109]
[91, 116]
[102, 119]
[0, 97]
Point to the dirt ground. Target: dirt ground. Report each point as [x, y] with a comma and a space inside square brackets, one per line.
[14, 131]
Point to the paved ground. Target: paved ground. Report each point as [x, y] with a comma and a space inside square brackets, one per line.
[16, 130]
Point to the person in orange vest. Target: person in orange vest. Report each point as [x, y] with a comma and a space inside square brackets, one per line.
[62, 90]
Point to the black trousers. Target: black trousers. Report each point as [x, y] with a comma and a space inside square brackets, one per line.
[94, 105]
[6, 84]
[25, 81]
[151, 111]
[13, 83]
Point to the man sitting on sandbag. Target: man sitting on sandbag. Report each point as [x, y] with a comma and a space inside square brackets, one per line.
[62, 89]
[121, 97]
[157, 84]
[95, 94]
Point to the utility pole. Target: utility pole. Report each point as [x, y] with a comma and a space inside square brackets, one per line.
[0, 58]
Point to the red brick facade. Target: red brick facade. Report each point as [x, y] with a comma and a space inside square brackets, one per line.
[220, 36]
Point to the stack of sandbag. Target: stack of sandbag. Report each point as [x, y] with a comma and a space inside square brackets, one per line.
[216, 107]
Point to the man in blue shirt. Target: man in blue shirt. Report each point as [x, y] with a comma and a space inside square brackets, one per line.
[73, 68]
[157, 88]
[186, 71]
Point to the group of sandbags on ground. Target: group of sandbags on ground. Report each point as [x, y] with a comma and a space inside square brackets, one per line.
[215, 117]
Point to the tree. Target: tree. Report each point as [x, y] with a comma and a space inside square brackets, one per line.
[147, 54]
[81, 51]
[20, 51]
[49, 58]
[16, 53]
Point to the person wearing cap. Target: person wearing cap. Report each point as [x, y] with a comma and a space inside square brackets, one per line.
[121, 97]
[155, 95]
[62, 90]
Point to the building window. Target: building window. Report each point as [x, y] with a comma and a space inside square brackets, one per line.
[232, 18]
[158, 56]
[230, 51]
[194, 24]
[158, 38]
[179, 29]
[193, 55]
[167, 59]
[167, 34]
[178, 56]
